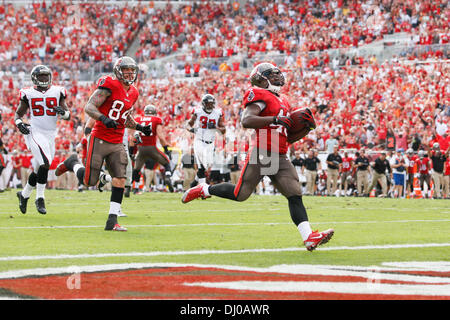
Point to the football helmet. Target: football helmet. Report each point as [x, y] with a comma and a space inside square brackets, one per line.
[421, 153]
[208, 103]
[125, 62]
[267, 76]
[41, 76]
[150, 110]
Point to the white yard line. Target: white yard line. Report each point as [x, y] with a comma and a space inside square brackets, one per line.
[209, 252]
[335, 287]
[213, 224]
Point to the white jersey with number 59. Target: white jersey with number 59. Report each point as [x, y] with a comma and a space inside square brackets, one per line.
[42, 104]
[201, 124]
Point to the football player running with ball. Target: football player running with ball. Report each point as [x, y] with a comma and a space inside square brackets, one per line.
[45, 102]
[267, 112]
[111, 106]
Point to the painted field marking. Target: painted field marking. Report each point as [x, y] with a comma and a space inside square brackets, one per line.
[213, 224]
[208, 252]
[321, 286]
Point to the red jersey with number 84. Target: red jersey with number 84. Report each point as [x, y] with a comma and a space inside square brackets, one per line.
[117, 107]
[272, 137]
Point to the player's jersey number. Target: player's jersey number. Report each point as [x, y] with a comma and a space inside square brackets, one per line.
[144, 123]
[43, 106]
[204, 121]
[115, 112]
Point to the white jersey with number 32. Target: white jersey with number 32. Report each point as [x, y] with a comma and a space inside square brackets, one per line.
[201, 124]
[42, 104]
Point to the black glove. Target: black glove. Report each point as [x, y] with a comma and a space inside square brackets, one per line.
[24, 128]
[59, 110]
[282, 120]
[168, 152]
[191, 130]
[211, 125]
[108, 122]
[147, 130]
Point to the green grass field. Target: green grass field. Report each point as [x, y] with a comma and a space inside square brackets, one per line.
[159, 226]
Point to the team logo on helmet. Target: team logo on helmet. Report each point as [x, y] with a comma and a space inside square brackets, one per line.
[41, 76]
[267, 76]
[126, 62]
[208, 103]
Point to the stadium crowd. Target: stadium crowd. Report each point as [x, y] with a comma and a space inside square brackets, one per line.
[359, 104]
[221, 30]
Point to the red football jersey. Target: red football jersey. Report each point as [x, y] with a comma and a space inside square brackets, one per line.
[154, 121]
[117, 107]
[422, 165]
[273, 105]
[412, 163]
[346, 164]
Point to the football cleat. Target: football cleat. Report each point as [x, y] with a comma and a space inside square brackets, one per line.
[316, 239]
[22, 202]
[103, 180]
[126, 193]
[112, 225]
[194, 193]
[66, 165]
[168, 182]
[40, 205]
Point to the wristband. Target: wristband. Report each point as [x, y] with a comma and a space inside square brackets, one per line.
[87, 131]
[18, 120]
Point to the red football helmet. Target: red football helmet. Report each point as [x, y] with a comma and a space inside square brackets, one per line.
[122, 63]
[267, 76]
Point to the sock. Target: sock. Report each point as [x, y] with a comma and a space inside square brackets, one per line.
[40, 187]
[223, 190]
[26, 192]
[116, 200]
[78, 169]
[305, 230]
[114, 208]
[297, 210]
[206, 190]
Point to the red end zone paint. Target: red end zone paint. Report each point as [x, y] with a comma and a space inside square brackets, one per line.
[186, 283]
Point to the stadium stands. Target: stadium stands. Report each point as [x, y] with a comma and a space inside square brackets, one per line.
[359, 98]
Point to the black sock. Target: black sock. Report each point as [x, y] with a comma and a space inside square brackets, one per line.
[32, 179]
[117, 194]
[223, 190]
[297, 210]
[80, 174]
[42, 175]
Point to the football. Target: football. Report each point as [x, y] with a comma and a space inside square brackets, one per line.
[302, 123]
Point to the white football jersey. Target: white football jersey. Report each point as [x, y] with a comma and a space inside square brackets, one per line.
[201, 124]
[42, 115]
